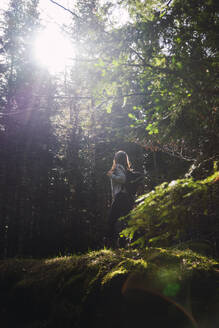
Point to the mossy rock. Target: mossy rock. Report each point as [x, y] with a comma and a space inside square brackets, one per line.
[203, 168]
[111, 289]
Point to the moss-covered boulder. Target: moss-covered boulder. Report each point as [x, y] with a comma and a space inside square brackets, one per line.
[121, 288]
[203, 168]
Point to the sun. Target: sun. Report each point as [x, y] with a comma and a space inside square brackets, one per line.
[52, 49]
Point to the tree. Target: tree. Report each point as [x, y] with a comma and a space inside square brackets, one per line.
[166, 57]
[27, 100]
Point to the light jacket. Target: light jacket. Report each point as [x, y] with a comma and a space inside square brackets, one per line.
[118, 179]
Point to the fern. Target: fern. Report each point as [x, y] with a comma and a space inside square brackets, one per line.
[178, 211]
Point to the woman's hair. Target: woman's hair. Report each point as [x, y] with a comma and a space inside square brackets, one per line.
[121, 158]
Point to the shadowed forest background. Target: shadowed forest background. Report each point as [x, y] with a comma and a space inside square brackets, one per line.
[147, 84]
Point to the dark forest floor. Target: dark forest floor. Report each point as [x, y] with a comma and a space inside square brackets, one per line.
[111, 288]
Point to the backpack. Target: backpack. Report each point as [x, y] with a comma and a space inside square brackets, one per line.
[133, 181]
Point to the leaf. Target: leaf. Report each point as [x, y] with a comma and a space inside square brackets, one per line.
[162, 14]
[131, 116]
[109, 108]
[115, 63]
[179, 65]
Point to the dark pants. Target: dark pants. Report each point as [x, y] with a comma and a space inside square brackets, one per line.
[121, 206]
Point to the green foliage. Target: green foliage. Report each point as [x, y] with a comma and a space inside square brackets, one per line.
[167, 58]
[181, 210]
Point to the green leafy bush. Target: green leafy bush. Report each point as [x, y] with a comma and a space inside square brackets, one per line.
[176, 212]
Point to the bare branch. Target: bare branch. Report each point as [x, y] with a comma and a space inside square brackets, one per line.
[167, 7]
[139, 56]
[71, 12]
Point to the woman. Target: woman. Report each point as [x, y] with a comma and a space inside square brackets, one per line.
[122, 202]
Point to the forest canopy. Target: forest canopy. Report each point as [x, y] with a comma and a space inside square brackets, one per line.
[141, 76]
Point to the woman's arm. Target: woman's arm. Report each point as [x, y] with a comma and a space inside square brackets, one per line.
[118, 176]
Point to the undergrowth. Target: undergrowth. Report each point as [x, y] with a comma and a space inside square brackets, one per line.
[176, 212]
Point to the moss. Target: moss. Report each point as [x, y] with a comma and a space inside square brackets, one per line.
[76, 291]
[114, 273]
[187, 258]
[123, 268]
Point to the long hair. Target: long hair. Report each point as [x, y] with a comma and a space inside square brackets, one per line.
[121, 158]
